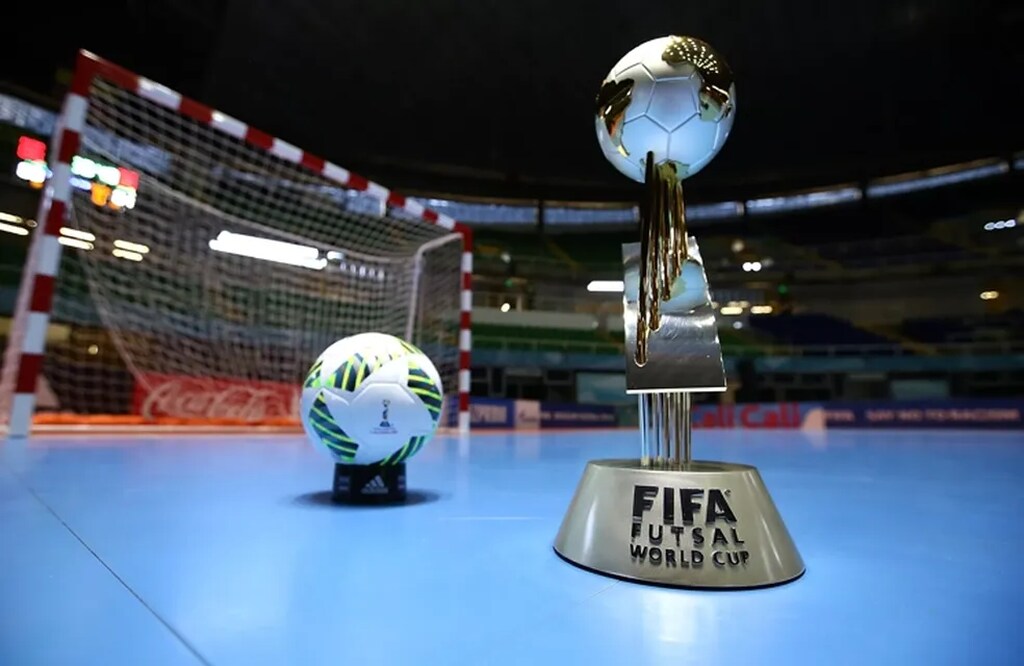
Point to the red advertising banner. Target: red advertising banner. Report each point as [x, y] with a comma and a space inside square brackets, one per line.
[753, 415]
[159, 396]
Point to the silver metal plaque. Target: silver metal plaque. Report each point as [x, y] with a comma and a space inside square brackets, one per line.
[684, 354]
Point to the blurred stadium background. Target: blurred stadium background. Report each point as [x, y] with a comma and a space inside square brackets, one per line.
[864, 238]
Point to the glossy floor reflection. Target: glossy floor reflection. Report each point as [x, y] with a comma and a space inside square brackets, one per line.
[160, 550]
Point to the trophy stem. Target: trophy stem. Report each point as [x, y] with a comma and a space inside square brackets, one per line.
[645, 440]
[664, 429]
[666, 433]
[672, 429]
[675, 414]
[687, 424]
[658, 430]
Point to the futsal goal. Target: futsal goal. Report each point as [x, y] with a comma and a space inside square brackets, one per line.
[187, 269]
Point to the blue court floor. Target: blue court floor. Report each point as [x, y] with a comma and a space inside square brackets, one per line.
[226, 550]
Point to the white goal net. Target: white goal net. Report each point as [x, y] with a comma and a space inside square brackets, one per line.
[203, 269]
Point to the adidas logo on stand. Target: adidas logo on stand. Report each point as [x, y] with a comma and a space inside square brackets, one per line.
[375, 486]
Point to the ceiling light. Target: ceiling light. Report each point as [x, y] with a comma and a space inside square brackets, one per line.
[606, 286]
[11, 229]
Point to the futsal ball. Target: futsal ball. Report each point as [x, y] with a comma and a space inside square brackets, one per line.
[371, 398]
[673, 96]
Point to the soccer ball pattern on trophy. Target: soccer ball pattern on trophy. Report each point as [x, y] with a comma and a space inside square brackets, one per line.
[673, 96]
[663, 113]
[370, 399]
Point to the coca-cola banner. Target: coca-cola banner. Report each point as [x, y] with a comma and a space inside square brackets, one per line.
[197, 398]
[759, 415]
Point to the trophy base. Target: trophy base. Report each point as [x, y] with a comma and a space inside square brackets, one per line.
[706, 525]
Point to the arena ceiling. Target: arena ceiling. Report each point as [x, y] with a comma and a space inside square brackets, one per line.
[496, 97]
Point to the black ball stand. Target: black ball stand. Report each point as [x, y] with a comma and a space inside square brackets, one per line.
[369, 484]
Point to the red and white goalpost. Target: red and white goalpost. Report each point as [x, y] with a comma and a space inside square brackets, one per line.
[187, 268]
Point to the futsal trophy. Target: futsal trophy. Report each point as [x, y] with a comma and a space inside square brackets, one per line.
[663, 113]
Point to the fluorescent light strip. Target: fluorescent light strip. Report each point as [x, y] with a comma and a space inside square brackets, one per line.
[606, 286]
[11, 229]
[125, 254]
[266, 249]
[567, 215]
[7, 217]
[731, 310]
[714, 211]
[927, 180]
[131, 247]
[74, 242]
[816, 199]
[75, 233]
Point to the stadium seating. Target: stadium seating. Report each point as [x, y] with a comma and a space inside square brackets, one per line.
[598, 251]
[734, 343]
[548, 255]
[488, 336]
[742, 342]
[1008, 326]
[813, 330]
[890, 251]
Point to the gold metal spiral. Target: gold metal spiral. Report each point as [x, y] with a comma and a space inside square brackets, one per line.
[662, 247]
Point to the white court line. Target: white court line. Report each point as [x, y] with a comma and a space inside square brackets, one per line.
[490, 518]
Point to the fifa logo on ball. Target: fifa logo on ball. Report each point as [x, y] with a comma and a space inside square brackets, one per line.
[384, 423]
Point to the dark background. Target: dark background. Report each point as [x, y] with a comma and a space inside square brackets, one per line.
[495, 97]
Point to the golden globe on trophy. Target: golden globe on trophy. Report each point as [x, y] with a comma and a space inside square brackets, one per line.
[663, 113]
